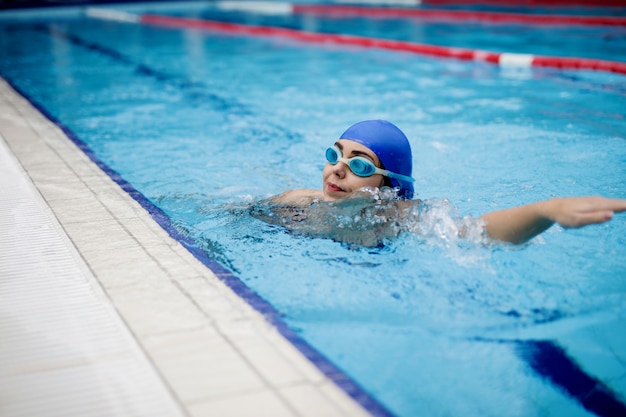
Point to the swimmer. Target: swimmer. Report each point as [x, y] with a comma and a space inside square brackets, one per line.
[377, 154]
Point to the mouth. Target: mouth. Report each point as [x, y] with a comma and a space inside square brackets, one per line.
[334, 188]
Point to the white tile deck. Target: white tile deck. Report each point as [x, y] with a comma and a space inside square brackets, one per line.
[104, 314]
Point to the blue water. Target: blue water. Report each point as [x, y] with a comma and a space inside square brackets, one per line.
[599, 42]
[207, 125]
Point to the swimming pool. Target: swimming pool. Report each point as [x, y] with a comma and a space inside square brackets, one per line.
[427, 324]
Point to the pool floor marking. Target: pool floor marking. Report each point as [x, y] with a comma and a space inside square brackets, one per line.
[182, 83]
[552, 362]
[452, 15]
[523, 60]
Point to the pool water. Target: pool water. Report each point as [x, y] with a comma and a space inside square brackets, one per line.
[206, 125]
[600, 42]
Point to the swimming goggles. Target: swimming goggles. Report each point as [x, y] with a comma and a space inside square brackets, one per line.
[361, 166]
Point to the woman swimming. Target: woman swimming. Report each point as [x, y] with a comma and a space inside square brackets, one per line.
[375, 154]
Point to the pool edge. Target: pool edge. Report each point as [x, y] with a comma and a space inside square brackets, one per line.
[151, 276]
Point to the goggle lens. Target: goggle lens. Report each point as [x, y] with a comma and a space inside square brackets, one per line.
[362, 167]
[332, 155]
[358, 165]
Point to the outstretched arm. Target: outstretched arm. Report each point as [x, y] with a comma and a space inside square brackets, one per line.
[519, 224]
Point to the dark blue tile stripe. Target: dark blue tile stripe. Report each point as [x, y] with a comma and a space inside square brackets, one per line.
[552, 362]
[194, 90]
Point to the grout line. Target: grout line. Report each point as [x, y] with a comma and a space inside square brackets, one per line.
[46, 323]
[86, 264]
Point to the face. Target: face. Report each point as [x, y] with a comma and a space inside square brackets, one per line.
[339, 181]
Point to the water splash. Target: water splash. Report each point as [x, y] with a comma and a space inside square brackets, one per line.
[375, 217]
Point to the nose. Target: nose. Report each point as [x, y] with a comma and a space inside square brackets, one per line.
[339, 169]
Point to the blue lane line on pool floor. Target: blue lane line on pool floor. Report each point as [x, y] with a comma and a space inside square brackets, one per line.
[546, 358]
[194, 90]
[552, 362]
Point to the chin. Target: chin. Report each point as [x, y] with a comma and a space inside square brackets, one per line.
[328, 197]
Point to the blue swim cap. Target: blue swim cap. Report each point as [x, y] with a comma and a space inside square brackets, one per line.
[390, 146]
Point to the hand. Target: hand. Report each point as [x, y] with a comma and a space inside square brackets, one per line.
[573, 212]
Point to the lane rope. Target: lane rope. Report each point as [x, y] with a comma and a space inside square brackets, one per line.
[522, 3]
[501, 59]
[453, 15]
[111, 14]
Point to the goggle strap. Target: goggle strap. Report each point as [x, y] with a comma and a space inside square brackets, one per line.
[390, 174]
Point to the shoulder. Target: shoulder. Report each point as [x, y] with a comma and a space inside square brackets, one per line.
[300, 197]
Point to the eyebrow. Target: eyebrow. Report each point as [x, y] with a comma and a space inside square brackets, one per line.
[358, 153]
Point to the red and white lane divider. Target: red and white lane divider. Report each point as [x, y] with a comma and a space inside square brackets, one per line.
[111, 14]
[283, 8]
[454, 15]
[523, 3]
[502, 59]
[261, 7]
